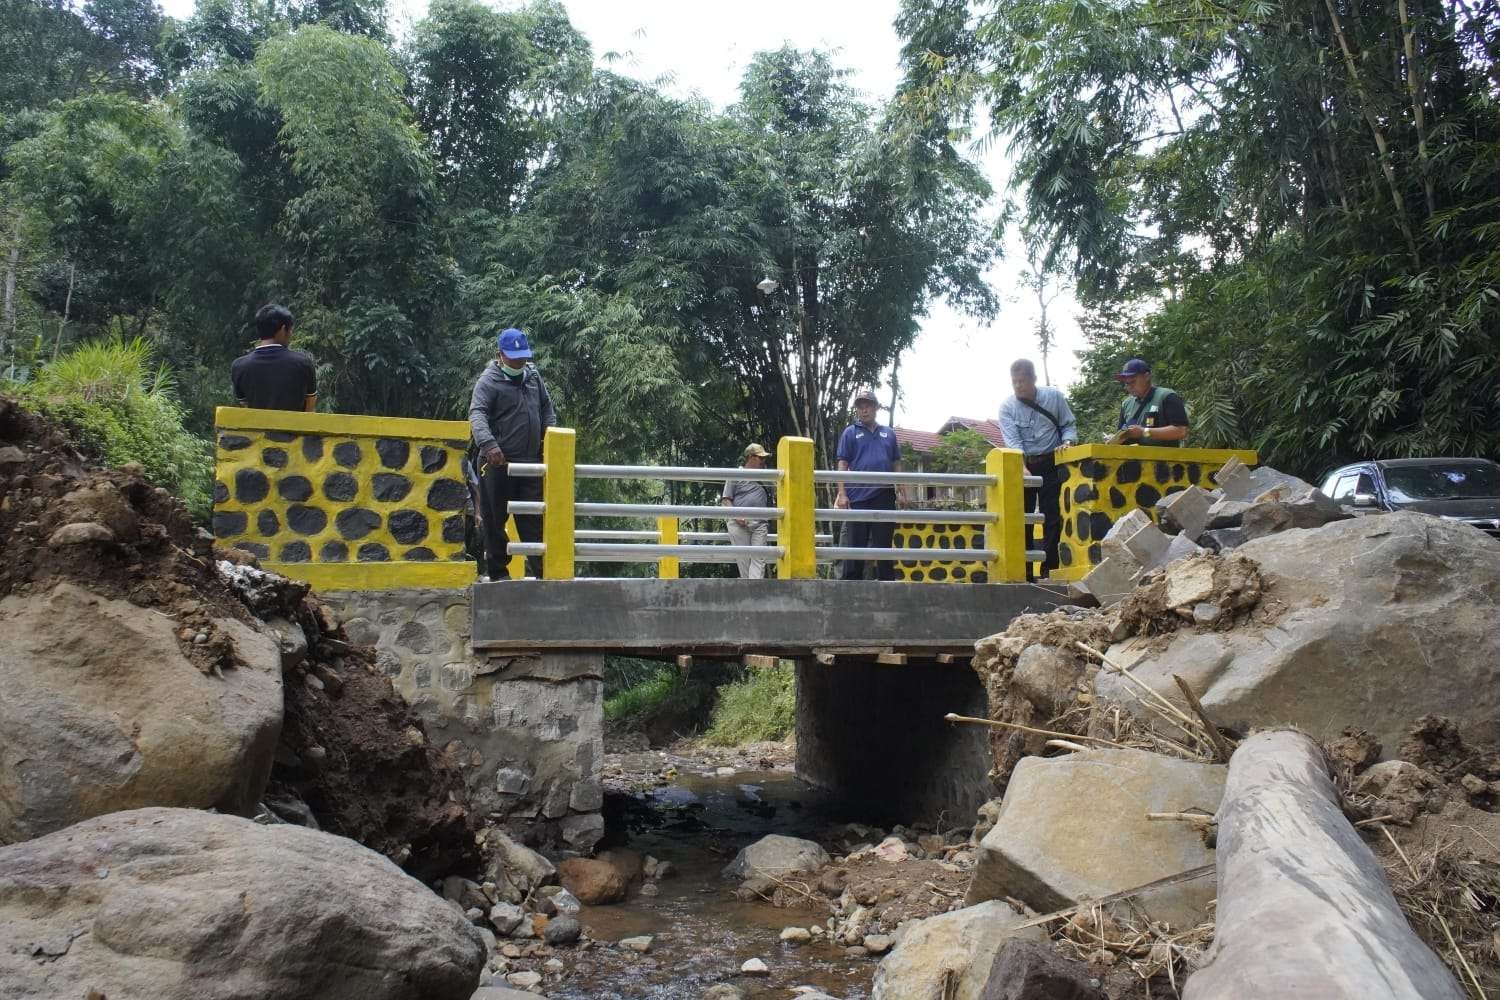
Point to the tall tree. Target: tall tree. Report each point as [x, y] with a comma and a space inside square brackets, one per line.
[1299, 187]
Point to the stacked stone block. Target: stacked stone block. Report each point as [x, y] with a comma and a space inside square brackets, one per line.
[528, 731]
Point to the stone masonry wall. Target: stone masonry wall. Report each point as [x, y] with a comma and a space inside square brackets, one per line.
[527, 730]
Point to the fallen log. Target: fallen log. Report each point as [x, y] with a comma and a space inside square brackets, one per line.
[1304, 910]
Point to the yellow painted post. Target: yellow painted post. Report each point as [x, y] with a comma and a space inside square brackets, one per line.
[666, 530]
[795, 495]
[1006, 499]
[558, 450]
[517, 565]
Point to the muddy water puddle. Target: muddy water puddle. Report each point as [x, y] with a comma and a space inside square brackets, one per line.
[701, 933]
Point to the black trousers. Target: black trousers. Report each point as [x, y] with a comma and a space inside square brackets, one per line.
[496, 491]
[1047, 500]
[870, 535]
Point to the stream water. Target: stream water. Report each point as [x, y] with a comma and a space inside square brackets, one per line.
[701, 932]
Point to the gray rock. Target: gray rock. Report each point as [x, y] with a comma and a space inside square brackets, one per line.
[1110, 580]
[192, 898]
[582, 831]
[11, 455]
[494, 992]
[777, 855]
[951, 952]
[1378, 621]
[562, 930]
[878, 944]
[515, 863]
[640, 945]
[1048, 677]
[754, 967]
[81, 533]
[506, 917]
[554, 900]
[1227, 513]
[465, 893]
[524, 980]
[1135, 538]
[100, 711]
[1035, 970]
[1224, 539]
[1179, 548]
[1049, 850]
[724, 992]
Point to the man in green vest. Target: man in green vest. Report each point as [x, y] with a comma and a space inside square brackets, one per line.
[1151, 414]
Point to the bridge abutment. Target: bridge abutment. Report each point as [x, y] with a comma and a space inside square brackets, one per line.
[874, 736]
[527, 730]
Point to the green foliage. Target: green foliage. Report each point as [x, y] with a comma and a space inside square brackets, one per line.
[647, 697]
[960, 450]
[1291, 208]
[763, 706]
[119, 403]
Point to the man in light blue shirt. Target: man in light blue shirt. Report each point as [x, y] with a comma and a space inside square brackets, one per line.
[1038, 421]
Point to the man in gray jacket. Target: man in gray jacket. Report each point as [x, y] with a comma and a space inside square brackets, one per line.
[508, 414]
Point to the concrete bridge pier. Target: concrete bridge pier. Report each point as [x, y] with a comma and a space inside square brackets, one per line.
[874, 736]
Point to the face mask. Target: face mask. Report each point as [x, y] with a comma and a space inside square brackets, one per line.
[512, 372]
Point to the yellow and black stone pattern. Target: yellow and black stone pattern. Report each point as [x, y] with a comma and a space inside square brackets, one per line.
[343, 500]
[934, 539]
[1102, 482]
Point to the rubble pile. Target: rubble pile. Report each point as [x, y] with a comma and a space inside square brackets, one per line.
[1245, 505]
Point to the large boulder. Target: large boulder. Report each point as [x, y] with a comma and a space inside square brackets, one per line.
[179, 904]
[955, 948]
[594, 882]
[775, 855]
[1074, 828]
[1369, 622]
[101, 709]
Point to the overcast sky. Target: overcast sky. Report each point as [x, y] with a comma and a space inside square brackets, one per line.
[957, 368]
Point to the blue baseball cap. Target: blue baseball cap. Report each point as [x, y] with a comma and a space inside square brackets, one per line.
[513, 343]
[1133, 367]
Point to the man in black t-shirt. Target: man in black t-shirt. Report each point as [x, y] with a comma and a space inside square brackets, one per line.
[1152, 414]
[273, 376]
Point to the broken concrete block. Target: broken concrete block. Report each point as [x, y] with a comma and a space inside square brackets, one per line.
[1185, 512]
[1134, 538]
[1111, 580]
[1075, 827]
[1233, 479]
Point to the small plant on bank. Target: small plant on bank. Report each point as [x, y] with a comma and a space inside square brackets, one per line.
[763, 706]
[113, 397]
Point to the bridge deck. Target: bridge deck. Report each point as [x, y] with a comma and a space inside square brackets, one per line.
[793, 618]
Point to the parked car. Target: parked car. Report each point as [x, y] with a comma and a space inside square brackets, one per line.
[1460, 489]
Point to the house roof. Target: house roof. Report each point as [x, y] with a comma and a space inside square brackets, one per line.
[987, 429]
[921, 442]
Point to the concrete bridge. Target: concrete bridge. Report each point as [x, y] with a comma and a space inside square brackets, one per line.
[878, 664]
[508, 676]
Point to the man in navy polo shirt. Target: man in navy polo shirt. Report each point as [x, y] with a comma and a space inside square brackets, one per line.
[868, 446]
[273, 376]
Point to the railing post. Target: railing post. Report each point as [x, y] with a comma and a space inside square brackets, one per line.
[1006, 499]
[796, 495]
[558, 451]
[517, 565]
[666, 530]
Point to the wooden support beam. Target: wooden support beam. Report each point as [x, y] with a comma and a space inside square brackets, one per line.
[826, 659]
[892, 659]
[760, 661]
[684, 664]
[953, 657]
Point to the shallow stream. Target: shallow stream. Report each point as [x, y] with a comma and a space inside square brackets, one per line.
[701, 932]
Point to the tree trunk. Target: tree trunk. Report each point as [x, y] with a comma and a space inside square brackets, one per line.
[1304, 910]
[62, 324]
[8, 317]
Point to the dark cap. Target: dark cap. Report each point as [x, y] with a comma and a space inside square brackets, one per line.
[1133, 367]
[867, 393]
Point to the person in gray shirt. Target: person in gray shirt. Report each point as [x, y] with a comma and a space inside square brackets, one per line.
[743, 531]
[1038, 422]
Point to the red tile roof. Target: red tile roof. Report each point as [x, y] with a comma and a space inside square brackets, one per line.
[921, 442]
[988, 429]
